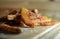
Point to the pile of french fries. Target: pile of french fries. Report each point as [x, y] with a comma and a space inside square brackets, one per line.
[27, 17]
[24, 17]
[34, 18]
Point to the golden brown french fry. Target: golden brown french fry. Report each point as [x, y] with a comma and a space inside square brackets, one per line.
[26, 18]
[11, 29]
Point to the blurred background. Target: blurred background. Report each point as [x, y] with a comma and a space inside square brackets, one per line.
[49, 8]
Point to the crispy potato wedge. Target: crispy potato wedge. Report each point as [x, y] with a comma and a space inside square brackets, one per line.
[26, 18]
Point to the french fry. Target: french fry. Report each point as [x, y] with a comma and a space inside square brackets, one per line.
[26, 18]
[11, 29]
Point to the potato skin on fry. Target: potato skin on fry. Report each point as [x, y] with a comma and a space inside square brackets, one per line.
[47, 23]
[26, 18]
